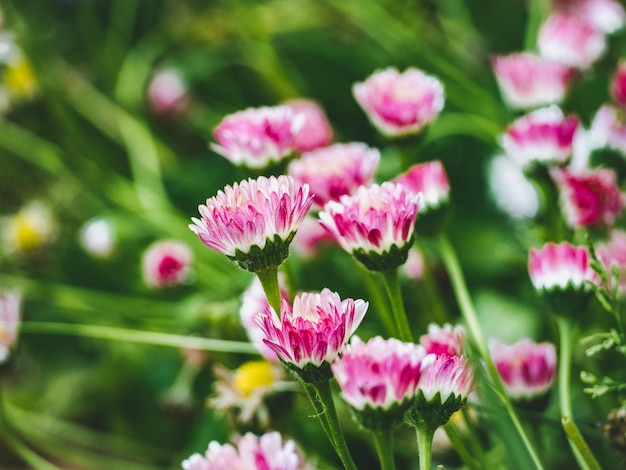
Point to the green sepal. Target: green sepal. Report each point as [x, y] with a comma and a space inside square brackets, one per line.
[385, 261]
[381, 419]
[310, 373]
[432, 414]
[258, 259]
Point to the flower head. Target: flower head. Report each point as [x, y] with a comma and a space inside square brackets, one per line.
[542, 136]
[334, 171]
[528, 81]
[608, 130]
[166, 263]
[32, 228]
[527, 369]
[167, 93]
[605, 15]
[431, 180]
[560, 267]
[316, 131]
[267, 452]
[254, 221]
[591, 198]
[400, 103]
[257, 137]
[314, 330]
[376, 224]
[10, 313]
[447, 340]
[613, 251]
[570, 40]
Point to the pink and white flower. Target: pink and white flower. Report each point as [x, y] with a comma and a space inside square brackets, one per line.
[316, 131]
[97, 237]
[561, 267]
[400, 104]
[446, 376]
[606, 15]
[256, 137]
[314, 330]
[589, 198]
[381, 373]
[570, 40]
[542, 136]
[374, 222]
[311, 238]
[10, 315]
[413, 268]
[527, 369]
[608, 129]
[269, 452]
[528, 81]
[167, 93]
[614, 251]
[431, 180]
[334, 171]
[166, 263]
[263, 213]
[445, 340]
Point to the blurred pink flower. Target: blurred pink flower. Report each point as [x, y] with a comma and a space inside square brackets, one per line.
[413, 268]
[397, 103]
[589, 198]
[444, 340]
[431, 180]
[316, 131]
[614, 251]
[10, 317]
[373, 223]
[314, 330]
[256, 137]
[263, 213]
[381, 373]
[542, 136]
[618, 85]
[608, 129]
[166, 263]
[310, 238]
[167, 93]
[267, 452]
[606, 15]
[445, 376]
[570, 40]
[528, 81]
[527, 369]
[334, 171]
[560, 267]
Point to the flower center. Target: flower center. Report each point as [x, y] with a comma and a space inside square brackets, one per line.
[251, 375]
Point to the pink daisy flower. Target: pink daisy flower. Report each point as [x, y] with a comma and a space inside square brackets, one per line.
[166, 263]
[445, 376]
[257, 137]
[444, 340]
[376, 224]
[10, 315]
[431, 180]
[527, 369]
[334, 171]
[560, 267]
[542, 136]
[167, 93]
[254, 221]
[618, 85]
[314, 330]
[605, 15]
[311, 238]
[400, 104]
[570, 40]
[528, 81]
[316, 131]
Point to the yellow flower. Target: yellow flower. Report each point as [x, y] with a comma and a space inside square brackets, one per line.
[30, 229]
[19, 77]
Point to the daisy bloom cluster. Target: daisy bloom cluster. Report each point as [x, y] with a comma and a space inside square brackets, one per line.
[166, 263]
[10, 314]
[269, 452]
[400, 103]
[527, 368]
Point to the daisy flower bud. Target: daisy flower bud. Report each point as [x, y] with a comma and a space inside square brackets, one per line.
[167, 93]
[316, 131]
[257, 137]
[166, 263]
[334, 171]
[561, 267]
[10, 313]
[400, 104]
[253, 222]
[376, 224]
[528, 81]
[444, 340]
[527, 368]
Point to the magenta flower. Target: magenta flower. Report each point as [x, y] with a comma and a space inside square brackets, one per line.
[376, 224]
[166, 263]
[613, 251]
[570, 40]
[257, 137]
[431, 180]
[590, 198]
[167, 93]
[605, 15]
[561, 267]
[543, 136]
[254, 221]
[268, 452]
[400, 104]
[314, 330]
[445, 340]
[334, 171]
[527, 369]
[528, 81]
[618, 85]
[315, 131]
[10, 315]
[608, 130]
[445, 377]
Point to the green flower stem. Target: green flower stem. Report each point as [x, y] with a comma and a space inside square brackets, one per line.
[383, 440]
[430, 293]
[320, 412]
[392, 284]
[460, 448]
[425, 444]
[269, 281]
[137, 336]
[379, 300]
[581, 451]
[471, 318]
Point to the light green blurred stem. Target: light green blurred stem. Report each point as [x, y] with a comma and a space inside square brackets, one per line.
[537, 11]
[392, 284]
[379, 300]
[425, 444]
[459, 446]
[137, 336]
[471, 318]
[581, 450]
[269, 281]
[383, 440]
